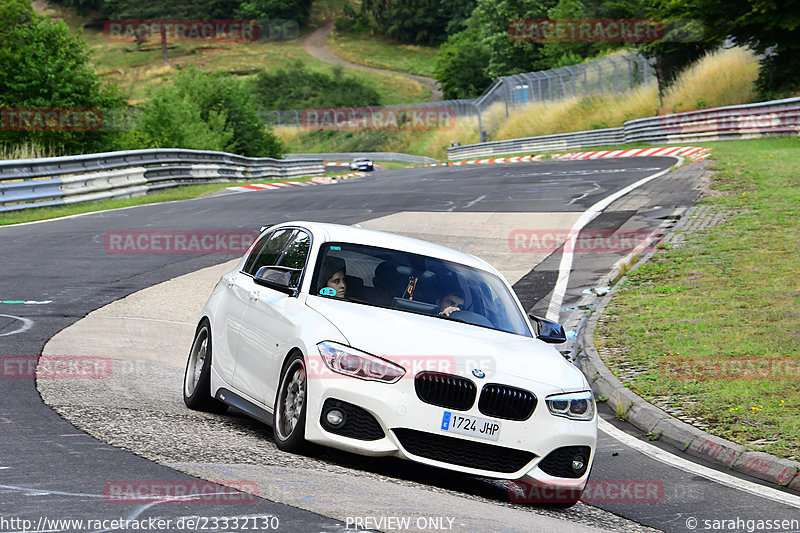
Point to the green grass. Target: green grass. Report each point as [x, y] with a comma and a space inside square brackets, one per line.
[381, 53]
[729, 294]
[183, 192]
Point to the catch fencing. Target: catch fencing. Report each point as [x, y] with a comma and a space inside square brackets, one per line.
[51, 181]
[776, 117]
[609, 75]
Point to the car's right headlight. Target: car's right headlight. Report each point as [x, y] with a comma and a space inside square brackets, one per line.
[574, 405]
[351, 362]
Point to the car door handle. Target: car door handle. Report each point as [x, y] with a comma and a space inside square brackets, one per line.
[254, 295]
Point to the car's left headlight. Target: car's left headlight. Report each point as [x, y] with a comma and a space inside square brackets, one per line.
[574, 405]
[351, 362]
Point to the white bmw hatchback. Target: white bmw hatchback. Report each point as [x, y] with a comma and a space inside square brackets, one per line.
[379, 344]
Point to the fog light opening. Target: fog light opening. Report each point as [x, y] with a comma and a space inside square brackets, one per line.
[578, 463]
[335, 417]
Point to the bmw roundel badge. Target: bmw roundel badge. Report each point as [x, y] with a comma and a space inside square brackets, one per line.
[478, 373]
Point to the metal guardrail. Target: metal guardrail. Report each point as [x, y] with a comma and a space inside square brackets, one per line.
[27, 183]
[544, 143]
[776, 117]
[375, 156]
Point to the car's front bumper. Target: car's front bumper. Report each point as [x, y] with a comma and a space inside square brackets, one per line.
[402, 415]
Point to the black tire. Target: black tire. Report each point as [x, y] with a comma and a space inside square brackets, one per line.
[197, 377]
[289, 423]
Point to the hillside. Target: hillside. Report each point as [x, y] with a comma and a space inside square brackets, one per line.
[136, 69]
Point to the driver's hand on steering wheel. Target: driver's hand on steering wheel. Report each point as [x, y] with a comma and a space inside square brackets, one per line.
[450, 309]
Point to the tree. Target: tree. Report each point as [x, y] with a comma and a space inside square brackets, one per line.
[44, 66]
[770, 27]
[206, 112]
[460, 65]
[485, 50]
[419, 21]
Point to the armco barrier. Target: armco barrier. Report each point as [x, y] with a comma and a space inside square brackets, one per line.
[59, 180]
[375, 156]
[777, 117]
[560, 142]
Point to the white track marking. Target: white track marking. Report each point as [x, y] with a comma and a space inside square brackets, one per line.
[27, 324]
[693, 468]
[565, 266]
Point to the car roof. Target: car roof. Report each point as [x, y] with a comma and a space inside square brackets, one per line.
[358, 235]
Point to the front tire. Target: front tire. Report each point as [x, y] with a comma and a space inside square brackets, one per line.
[197, 377]
[289, 425]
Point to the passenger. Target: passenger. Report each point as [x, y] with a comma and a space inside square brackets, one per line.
[388, 283]
[333, 277]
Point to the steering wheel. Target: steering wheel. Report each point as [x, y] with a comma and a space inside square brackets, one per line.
[471, 317]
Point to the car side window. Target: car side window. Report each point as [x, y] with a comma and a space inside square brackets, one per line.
[294, 255]
[268, 250]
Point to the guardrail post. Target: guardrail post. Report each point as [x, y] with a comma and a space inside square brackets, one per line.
[481, 133]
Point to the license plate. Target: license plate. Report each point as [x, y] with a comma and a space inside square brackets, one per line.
[470, 425]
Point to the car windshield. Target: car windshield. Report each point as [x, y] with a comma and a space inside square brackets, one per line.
[394, 279]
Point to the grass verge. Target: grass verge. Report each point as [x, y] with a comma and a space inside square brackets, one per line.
[374, 52]
[711, 327]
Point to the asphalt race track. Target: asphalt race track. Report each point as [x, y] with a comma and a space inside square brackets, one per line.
[50, 469]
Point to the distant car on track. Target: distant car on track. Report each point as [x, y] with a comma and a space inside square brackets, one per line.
[380, 344]
[362, 163]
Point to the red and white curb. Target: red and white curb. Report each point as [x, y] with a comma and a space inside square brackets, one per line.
[516, 159]
[333, 164]
[693, 153]
[319, 180]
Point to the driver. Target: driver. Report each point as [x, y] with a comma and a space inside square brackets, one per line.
[451, 299]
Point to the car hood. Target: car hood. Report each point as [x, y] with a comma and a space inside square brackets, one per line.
[429, 343]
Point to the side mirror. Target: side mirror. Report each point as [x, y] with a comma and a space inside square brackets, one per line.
[548, 331]
[276, 277]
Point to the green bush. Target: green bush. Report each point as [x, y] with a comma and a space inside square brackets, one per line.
[205, 112]
[353, 22]
[295, 87]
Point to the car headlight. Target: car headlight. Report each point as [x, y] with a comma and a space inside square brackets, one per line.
[574, 405]
[351, 362]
